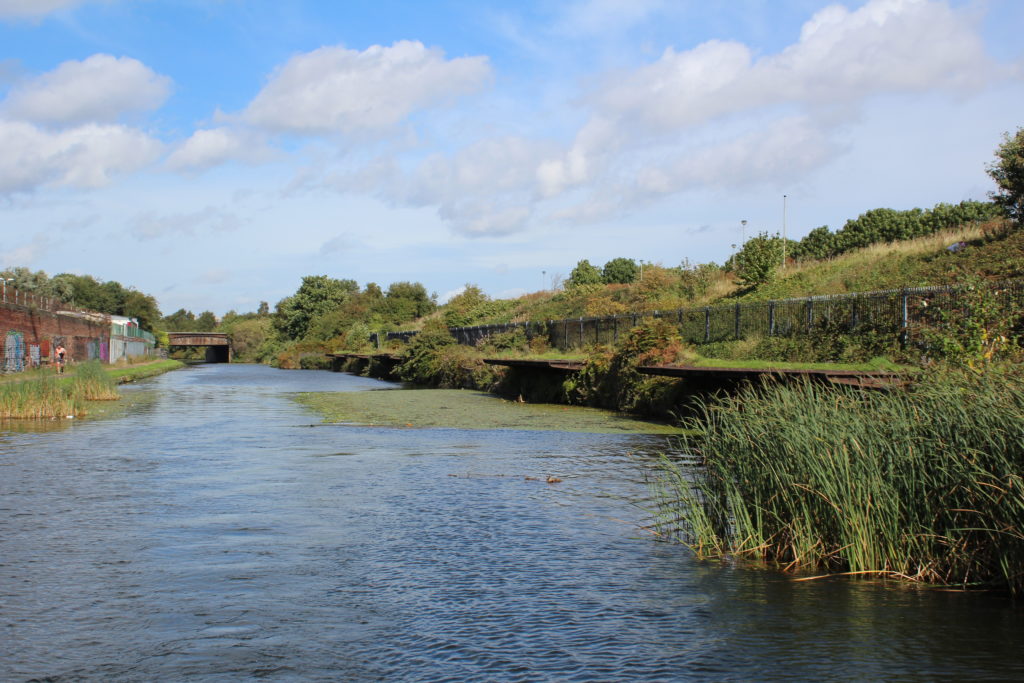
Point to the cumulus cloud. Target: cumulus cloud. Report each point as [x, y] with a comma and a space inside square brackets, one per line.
[150, 225]
[337, 90]
[483, 189]
[21, 9]
[99, 89]
[85, 156]
[209, 147]
[841, 58]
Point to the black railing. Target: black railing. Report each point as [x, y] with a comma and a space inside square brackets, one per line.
[897, 312]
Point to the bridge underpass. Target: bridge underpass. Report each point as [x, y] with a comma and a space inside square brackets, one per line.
[218, 346]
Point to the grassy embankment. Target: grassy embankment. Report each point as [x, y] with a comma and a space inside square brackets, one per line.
[923, 485]
[40, 394]
[994, 251]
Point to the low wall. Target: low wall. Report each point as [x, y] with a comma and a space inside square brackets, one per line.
[29, 335]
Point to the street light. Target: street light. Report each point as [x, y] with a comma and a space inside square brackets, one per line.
[743, 231]
[543, 280]
[783, 232]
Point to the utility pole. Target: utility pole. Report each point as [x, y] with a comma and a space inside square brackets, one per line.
[783, 231]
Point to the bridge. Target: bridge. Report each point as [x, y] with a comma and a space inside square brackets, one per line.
[218, 346]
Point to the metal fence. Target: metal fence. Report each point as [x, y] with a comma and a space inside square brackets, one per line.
[899, 313]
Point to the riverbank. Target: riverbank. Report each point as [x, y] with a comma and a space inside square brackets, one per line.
[922, 485]
[44, 395]
[613, 378]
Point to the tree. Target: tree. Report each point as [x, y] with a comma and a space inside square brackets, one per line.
[405, 301]
[317, 295]
[180, 321]
[819, 244]
[264, 310]
[206, 322]
[142, 307]
[620, 271]
[1008, 172]
[584, 274]
[759, 259]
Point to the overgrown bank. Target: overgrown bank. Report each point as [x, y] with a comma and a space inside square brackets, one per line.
[44, 395]
[924, 484]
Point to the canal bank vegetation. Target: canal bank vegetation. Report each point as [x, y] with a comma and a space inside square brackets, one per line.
[447, 408]
[922, 484]
[44, 395]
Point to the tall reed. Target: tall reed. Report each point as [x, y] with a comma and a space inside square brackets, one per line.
[43, 397]
[93, 383]
[923, 484]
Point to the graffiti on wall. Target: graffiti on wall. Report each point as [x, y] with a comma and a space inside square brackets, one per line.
[33, 355]
[14, 352]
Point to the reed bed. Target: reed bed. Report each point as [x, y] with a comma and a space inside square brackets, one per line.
[923, 484]
[40, 398]
[93, 383]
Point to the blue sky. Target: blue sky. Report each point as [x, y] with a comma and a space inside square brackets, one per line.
[212, 152]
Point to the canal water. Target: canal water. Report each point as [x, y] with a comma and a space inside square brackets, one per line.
[217, 532]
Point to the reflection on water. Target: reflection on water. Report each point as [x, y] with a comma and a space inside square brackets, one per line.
[212, 532]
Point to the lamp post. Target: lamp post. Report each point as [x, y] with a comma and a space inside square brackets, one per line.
[783, 231]
[743, 232]
[543, 280]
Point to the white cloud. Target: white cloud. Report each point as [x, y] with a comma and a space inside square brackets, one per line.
[150, 225]
[484, 189]
[334, 89]
[210, 147]
[842, 58]
[26, 254]
[99, 89]
[86, 156]
[19, 9]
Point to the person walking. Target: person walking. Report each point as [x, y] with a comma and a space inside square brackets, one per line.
[60, 357]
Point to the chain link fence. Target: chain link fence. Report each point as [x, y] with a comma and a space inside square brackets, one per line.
[899, 313]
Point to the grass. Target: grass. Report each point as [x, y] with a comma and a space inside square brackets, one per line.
[457, 409]
[41, 394]
[926, 485]
[132, 373]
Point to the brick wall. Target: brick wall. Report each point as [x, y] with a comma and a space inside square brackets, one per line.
[36, 332]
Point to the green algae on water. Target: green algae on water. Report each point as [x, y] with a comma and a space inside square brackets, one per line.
[462, 409]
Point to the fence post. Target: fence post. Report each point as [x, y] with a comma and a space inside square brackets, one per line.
[581, 332]
[771, 318]
[737, 321]
[615, 329]
[810, 314]
[707, 324]
[904, 318]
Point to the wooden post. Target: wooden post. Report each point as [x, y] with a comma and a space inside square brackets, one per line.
[771, 318]
[707, 324]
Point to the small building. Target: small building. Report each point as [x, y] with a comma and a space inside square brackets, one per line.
[128, 340]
